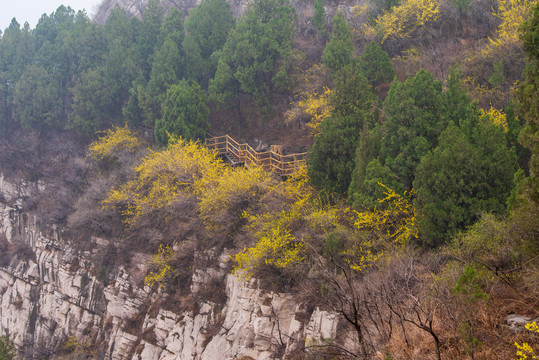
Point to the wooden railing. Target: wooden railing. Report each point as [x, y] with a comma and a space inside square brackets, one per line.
[283, 165]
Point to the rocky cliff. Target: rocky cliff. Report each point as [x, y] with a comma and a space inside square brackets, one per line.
[52, 291]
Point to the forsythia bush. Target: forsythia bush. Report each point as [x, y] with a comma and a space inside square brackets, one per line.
[317, 107]
[276, 247]
[115, 140]
[311, 103]
[185, 166]
[361, 255]
[512, 14]
[161, 269]
[281, 234]
[394, 218]
[525, 351]
[497, 117]
[392, 222]
[403, 19]
[224, 197]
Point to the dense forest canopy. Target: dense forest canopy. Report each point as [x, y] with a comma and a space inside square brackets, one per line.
[424, 142]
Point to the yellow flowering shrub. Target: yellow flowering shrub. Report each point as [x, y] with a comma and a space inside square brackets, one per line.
[317, 107]
[233, 187]
[311, 104]
[525, 351]
[497, 117]
[276, 248]
[403, 19]
[395, 217]
[114, 141]
[161, 270]
[281, 233]
[361, 256]
[185, 166]
[512, 14]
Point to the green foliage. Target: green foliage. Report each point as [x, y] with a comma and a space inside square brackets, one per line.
[37, 100]
[319, 18]
[257, 53]
[364, 192]
[367, 150]
[528, 94]
[412, 123]
[498, 77]
[376, 65]
[352, 95]
[461, 179]
[207, 29]
[340, 50]
[462, 5]
[458, 107]
[100, 276]
[471, 343]
[166, 71]
[331, 159]
[469, 287]
[93, 103]
[332, 246]
[7, 349]
[185, 113]
[172, 28]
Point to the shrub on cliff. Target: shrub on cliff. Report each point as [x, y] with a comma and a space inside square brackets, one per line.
[7, 349]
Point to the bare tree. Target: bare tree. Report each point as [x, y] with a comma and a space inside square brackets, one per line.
[412, 297]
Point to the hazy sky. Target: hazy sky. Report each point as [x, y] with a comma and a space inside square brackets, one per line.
[31, 10]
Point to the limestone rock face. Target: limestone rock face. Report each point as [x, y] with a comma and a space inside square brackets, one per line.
[49, 292]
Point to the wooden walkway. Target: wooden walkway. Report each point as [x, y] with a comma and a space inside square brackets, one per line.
[236, 153]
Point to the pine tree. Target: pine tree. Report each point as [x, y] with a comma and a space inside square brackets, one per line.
[462, 178]
[528, 94]
[185, 113]
[340, 50]
[376, 65]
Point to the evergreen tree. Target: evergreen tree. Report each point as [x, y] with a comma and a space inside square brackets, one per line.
[352, 93]
[364, 190]
[413, 120]
[207, 29]
[340, 50]
[147, 34]
[185, 113]
[528, 94]
[257, 54]
[93, 103]
[319, 17]
[458, 107]
[498, 75]
[37, 100]
[16, 46]
[166, 71]
[368, 190]
[376, 65]
[331, 159]
[461, 179]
